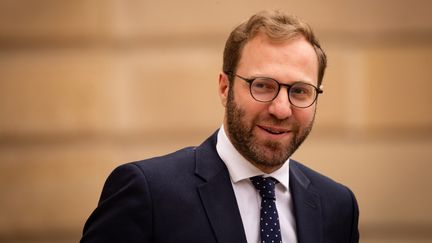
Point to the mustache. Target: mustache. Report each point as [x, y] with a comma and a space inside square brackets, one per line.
[273, 121]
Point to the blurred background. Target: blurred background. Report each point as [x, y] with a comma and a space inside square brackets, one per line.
[86, 85]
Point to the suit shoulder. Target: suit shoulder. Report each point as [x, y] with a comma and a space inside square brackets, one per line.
[181, 156]
[181, 162]
[321, 182]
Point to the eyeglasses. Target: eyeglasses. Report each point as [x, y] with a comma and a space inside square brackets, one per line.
[300, 94]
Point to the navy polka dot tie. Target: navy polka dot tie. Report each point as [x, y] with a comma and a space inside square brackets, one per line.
[269, 222]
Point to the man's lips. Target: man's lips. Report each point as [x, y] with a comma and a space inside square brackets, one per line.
[274, 129]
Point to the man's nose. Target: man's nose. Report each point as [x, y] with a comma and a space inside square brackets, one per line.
[280, 107]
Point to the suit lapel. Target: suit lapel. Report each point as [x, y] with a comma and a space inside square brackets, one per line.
[307, 207]
[217, 194]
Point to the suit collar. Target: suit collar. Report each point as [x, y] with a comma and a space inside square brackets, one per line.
[299, 176]
[207, 161]
[307, 206]
[217, 194]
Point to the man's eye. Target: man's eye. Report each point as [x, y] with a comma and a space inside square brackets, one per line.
[264, 85]
[299, 90]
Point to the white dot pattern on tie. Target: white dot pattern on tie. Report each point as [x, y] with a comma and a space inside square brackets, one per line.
[269, 221]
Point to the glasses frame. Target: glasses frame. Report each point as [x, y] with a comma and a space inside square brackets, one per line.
[250, 81]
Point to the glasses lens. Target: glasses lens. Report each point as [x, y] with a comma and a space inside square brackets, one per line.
[302, 94]
[264, 89]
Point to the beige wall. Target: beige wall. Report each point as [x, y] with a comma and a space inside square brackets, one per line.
[88, 84]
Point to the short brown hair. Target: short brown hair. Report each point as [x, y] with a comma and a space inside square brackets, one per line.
[277, 26]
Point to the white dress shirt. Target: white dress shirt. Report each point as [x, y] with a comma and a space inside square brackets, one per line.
[248, 198]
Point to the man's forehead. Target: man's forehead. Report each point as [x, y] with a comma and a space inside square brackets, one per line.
[262, 45]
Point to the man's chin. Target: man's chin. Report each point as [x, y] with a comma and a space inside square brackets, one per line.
[273, 153]
[269, 164]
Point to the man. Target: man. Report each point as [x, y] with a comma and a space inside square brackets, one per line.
[239, 185]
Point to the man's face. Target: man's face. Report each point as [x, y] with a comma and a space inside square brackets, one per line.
[268, 133]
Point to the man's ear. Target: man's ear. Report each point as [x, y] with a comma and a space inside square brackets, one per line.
[223, 88]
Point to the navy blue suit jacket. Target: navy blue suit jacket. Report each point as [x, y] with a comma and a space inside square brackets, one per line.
[187, 196]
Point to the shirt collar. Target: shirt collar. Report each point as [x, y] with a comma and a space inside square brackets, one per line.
[240, 168]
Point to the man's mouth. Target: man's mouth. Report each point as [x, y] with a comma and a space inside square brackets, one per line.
[274, 130]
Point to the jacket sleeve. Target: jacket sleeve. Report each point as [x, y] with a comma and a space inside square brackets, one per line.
[124, 211]
[355, 235]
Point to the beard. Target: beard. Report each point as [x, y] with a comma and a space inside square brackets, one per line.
[262, 153]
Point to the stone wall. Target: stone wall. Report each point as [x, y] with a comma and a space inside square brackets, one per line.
[86, 85]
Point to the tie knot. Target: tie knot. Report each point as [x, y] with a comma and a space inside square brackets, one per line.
[265, 186]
